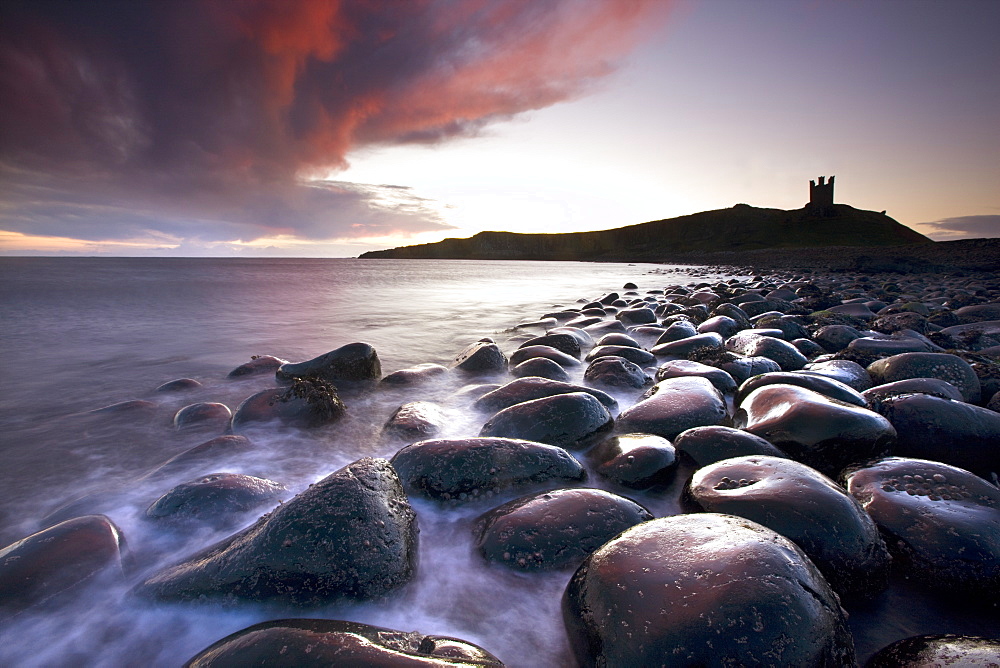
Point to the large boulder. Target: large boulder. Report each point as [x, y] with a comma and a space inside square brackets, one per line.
[806, 507]
[329, 642]
[932, 386]
[355, 363]
[415, 421]
[704, 590]
[814, 429]
[555, 529]
[482, 356]
[571, 420]
[631, 353]
[674, 405]
[707, 445]
[257, 366]
[679, 368]
[784, 353]
[352, 535]
[636, 461]
[308, 402]
[616, 372]
[826, 386]
[526, 389]
[463, 469]
[203, 414]
[216, 497]
[943, 366]
[563, 341]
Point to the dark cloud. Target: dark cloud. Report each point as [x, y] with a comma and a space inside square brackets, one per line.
[123, 117]
[963, 227]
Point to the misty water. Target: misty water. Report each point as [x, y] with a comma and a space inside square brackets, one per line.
[80, 334]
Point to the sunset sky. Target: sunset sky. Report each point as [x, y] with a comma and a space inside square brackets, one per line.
[318, 128]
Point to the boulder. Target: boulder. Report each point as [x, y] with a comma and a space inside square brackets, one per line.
[690, 346]
[703, 590]
[526, 389]
[564, 342]
[355, 363]
[932, 386]
[555, 529]
[681, 329]
[847, 372]
[942, 366]
[309, 402]
[548, 352]
[219, 450]
[632, 354]
[634, 460]
[674, 405]
[257, 366]
[784, 353]
[414, 421]
[616, 372]
[414, 375]
[463, 469]
[722, 381]
[540, 367]
[203, 414]
[743, 368]
[570, 420]
[825, 386]
[707, 445]
[619, 339]
[216, 497]
[179, 385]
[352, 535]
[481, 357]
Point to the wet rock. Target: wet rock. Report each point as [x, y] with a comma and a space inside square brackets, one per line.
[784, 353]
[808, 347]
[329, 642]
[722, 325]
[806, 507]
[722, 381]
[464, 469]
[527, 389]
[355, 363]
[214, 452]
[555, 529]
[351, 535]
[941, 522]
[179, 385]
[686, 348]
[584, 321]
[707, 445]
[703, 589]
[570, 420]
[203, 414]
[307, 403]
[853, 310]
[681, 329]
[563, 342]
[415, 421]
[125, 407]
[847, 372]
[481, 357]
[548, 352]
[414, 375]
[636, 316]
[541, 367]
[814, 429]
[944, 430]
[835, 338]
[735, 313]
[616, 372]
[825, 386]
[55, 562]
[743, 368]
[584, 338]
[943, 366]
[634, 355]
[933, 651]
[634, 460]
[978, 312]
[216, 497]
[674, 405]
[619, 339]
[257, 366]
[932, 386]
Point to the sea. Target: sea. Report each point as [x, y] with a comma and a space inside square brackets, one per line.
[81, 334]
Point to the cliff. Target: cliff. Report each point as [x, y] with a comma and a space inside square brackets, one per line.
[741, 228]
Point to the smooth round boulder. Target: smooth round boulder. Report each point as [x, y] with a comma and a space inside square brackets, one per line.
[707, 445]
[699, 344]
[555, 529]
[526, 389]
[847, 372]
[632, 354]
[743, 368]
[703, 590]
[943, 366]
[541, 367]
[634, 460]
[57, 561]
[414, 375]
[682, 329]
[938, 651]
[414, 421]
[202, 414]
[941, 523]
[572, 420]
[814, 429]
[292, 643]
[616, 372]
[808, 508]
[564, 342]
[721, 325]
[619, 339]
[258, 366]
[674, 405]
[179, 385]
[308, 402]
[722, 381]
[219, 450]
[216, 497]
[352, 535]
[583, 337]
[548, 352]
[932, 386]
[733, 312]
[886, 346]
[636, 316]
[481, 357]
[825, 386]
[467, 468]
[355, 363]
[944, 430]
[784, 353]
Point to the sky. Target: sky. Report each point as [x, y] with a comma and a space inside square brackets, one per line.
[329, 128]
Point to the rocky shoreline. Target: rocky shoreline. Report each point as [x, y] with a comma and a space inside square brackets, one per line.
[786, 470]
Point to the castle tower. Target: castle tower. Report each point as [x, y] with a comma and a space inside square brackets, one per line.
[821, 194]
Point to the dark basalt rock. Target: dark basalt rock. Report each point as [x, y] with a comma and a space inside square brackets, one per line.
[707, 445]
[556, 529]
[352, 535]
[526, 389]
[636, 316]
[216, 497]
[681, 329]
[674, 405]
[541, 367]
[685, 348]
[258, 366]
[722, 325]
[548, 352]
[978, 312]
[583, 337]
[616, 372]
[571, 420]
[932, 386]
[784, 353]
[944, 430]
[203, 414]
[847, 372]
[885, 346]
[566, 343]
[461, 469]
[179, 385]
[414, 375]
[307, 403]
[54, 562]
[943, 366]
[814, 429]
[942, 523]
[806, 507]
[414, 421]
[735, 313]
[355, 363]
[808, 347]
[825, 386]
[292, 643]
[722, 381]
[217, 450]
[636, 461]
[938, 651]
[893, 322]
[743, 368]
[703, 590]
[634, 355]
[619, 339]
[481, 357]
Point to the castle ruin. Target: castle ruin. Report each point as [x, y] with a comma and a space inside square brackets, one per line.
[821, 194]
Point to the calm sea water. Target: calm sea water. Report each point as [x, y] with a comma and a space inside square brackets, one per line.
[79, 334]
